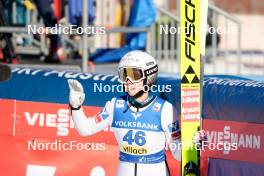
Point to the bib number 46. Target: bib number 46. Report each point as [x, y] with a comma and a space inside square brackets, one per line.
[138, 138]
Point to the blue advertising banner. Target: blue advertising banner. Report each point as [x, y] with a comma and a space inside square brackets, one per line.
[224, 97]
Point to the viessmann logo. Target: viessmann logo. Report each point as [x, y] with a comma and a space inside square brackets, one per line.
[60, 120]
[234, 140]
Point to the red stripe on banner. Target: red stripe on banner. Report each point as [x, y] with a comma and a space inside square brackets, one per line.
[7, 118]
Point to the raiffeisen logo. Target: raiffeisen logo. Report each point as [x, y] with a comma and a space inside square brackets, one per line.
[61, 120]
[232, 140]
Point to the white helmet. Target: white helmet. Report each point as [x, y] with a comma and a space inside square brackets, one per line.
[138, 65]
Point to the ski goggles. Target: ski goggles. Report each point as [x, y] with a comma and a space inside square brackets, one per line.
[133, 74]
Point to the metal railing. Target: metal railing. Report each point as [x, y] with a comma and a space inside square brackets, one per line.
[162, 40]
[33, 46]
[164, 44]
[221, 60]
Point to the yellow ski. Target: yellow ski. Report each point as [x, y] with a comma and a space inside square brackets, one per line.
[192, 45]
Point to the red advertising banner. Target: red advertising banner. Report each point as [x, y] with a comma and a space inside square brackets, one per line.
[236, 140]
[39, 139]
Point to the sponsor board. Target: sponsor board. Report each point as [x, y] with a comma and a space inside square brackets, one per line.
[247, 136]
[42, 120]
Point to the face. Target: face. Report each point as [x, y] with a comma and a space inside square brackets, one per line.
[133, 88]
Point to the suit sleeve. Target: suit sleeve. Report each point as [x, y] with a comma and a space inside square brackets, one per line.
[170, 125]
[86, 126]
